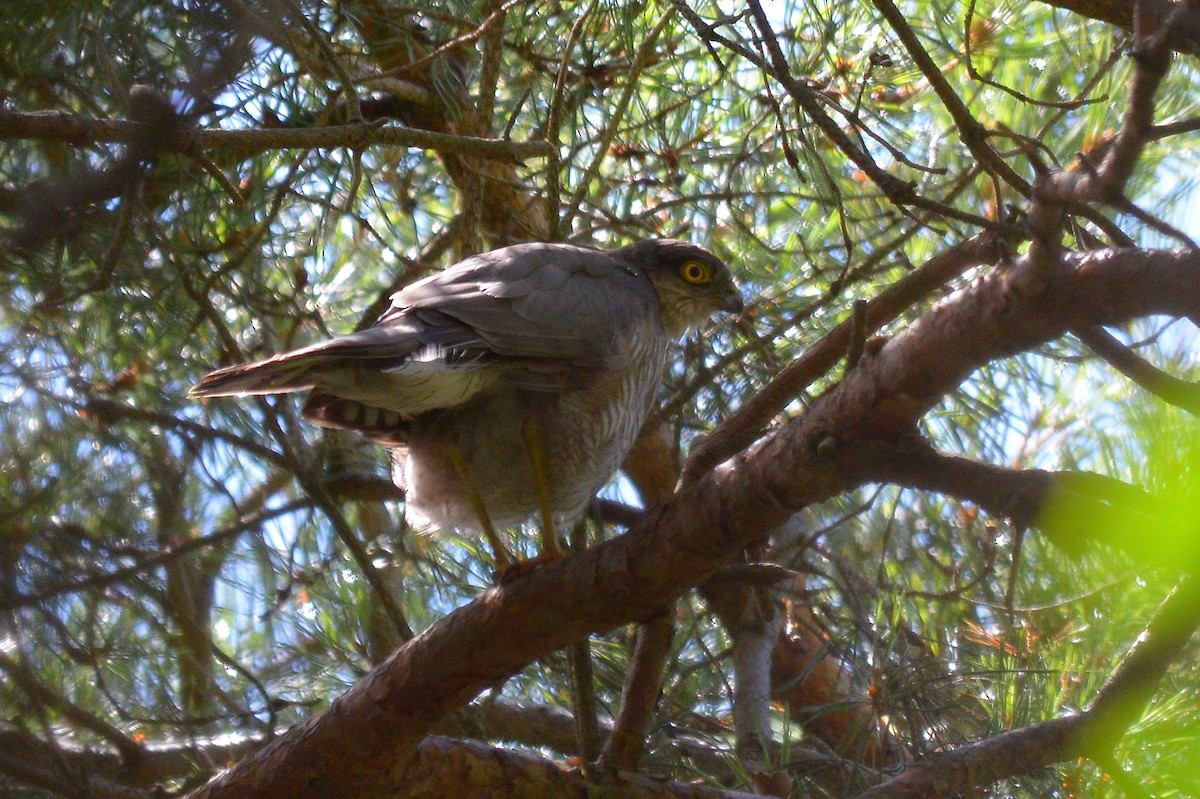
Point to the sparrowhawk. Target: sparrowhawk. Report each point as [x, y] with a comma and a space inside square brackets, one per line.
[510, 384]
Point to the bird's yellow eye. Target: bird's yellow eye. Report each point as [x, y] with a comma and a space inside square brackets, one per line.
[696, 273]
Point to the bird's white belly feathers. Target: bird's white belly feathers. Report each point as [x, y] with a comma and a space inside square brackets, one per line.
[416, 387]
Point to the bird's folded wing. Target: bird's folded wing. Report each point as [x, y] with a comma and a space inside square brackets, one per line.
[542, 317]
[552, 315]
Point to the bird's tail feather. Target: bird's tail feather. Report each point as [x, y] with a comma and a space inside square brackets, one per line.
[306, 368]
[278, 375]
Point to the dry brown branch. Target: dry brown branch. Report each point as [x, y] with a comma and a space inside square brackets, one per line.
[639, 694]
[583, 700]
[553, 728]
[1105, 181]
[769, 666]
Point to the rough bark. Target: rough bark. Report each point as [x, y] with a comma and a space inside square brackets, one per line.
[367, 739]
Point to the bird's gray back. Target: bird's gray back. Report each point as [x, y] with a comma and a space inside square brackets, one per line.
[547, 315]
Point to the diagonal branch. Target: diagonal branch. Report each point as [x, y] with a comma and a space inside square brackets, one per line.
[970, 130]
[366, 739]
[1091, 734]
[739, 429]
[1168, 388]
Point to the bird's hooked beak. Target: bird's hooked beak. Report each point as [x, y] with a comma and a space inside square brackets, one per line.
[732, 300]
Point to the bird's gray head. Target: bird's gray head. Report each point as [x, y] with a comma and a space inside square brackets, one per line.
[691, 283]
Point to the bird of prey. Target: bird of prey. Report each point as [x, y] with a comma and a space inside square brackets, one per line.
[510, 384]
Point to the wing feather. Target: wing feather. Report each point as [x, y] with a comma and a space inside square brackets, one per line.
[538, 316]
[550, 314]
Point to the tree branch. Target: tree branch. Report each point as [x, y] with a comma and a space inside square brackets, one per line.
[639, 694]
[1170, 389]
[1104, 182]
[80, 130]
[364, 740]
[1083, 507]
[1091, 734]
[1184, 38]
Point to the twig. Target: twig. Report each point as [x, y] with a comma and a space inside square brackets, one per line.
[317, 37]
[1170, 389]
[1054, 192]
[741, 427]
[494, 19]
[554, 125]
[899, 191]
[362, 558]
[974, 74]
[167, 555]
[27, 682]
[78, 129]
[858, 333]
[616, 114]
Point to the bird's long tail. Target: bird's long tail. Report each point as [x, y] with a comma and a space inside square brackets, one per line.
[308, 367]
[292, 371]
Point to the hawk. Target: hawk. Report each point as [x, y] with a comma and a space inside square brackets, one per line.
[510, 384]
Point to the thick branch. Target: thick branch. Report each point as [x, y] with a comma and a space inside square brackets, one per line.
[366, 739]
[918, 368]
[1071, 508]
[1183, 38]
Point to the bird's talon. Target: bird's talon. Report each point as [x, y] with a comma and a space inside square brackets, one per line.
[515, 571]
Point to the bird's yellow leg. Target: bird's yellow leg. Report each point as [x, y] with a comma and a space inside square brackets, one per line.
[541, 478]
[504, 559]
